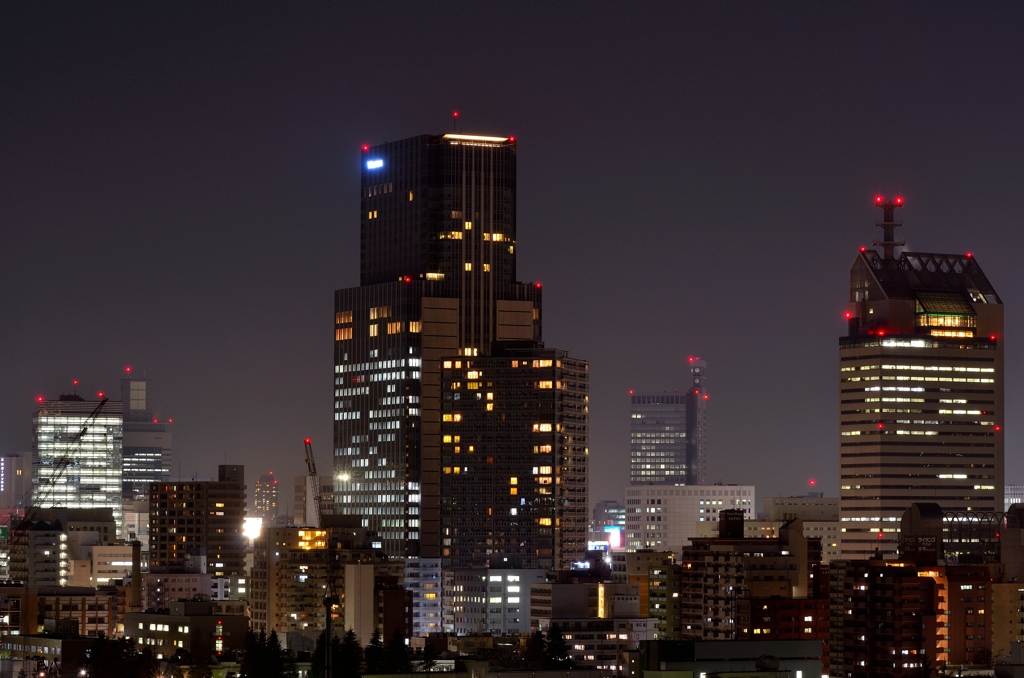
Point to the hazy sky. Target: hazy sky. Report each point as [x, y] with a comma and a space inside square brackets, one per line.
[179, 193]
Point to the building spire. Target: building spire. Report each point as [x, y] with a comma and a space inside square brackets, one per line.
[889, 224]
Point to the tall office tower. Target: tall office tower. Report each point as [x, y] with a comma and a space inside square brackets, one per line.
[438, 279]
[197, 518]
[921, 390]
[514, 453]
[668, 434]
[266, 498]
[146, 450]
[93, 478]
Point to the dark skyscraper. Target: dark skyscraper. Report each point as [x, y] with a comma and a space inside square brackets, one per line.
[920, 390]
[514, 451]
[438, 280]
[668, 433]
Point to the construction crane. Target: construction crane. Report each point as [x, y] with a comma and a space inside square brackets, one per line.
[35, 500]
[332, 598]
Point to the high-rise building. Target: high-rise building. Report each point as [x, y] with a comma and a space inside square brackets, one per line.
[438, 280]
[199, 518]
[514, 473]
[668, 433]
[15, 479]
[1012, 494]
[304, 506]
[72, 470]
[146, 448]
[266, 498]
[921, 390]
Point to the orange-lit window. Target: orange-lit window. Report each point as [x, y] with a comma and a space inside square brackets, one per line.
[342, 333]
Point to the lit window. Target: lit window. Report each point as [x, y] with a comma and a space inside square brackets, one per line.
[342, 317]
[544, 521]
[487, 268]
[415, 326]
[373, 330]
[343, 333]
[469, 225]
[469, 266]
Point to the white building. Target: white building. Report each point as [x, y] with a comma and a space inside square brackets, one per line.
[508, 600]
[665, 517]
[423, 578]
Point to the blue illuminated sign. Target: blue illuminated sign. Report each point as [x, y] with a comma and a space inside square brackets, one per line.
[374, 164]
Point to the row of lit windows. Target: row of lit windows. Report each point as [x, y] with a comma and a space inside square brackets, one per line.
[929, 368]
[959, 380]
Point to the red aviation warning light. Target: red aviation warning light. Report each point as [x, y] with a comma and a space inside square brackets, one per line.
[847, 315]
[308, 441]
[969, 255]
[39, 399]
[879, 200]
[881, 535]
[100, 394]
[127, 369]
[366, 147]
[881, 425]
[812, 482]
[899, 200]
[863, 249]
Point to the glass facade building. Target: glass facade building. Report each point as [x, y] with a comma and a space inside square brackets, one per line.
[437, 280]
[668, 434]
[921, 392]
[82, 474]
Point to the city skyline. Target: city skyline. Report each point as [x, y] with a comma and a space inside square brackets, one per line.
[235, 241]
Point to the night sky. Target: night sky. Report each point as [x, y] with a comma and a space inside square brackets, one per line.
[179, 193]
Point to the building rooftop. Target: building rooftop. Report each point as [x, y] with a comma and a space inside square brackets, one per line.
[943, 283]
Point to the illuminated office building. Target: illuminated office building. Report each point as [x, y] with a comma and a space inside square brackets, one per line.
[514, 455]
[437, 280]
[668, 433]
[921, 391]
[90, 474]
[146, 448]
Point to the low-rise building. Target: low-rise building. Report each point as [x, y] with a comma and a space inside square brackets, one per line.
[198, 627]
[27, 608]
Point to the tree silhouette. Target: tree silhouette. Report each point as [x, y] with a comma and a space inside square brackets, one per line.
[556, 649]
[375, 654]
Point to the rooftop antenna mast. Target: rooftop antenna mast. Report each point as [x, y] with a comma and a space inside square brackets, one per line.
[889, 224]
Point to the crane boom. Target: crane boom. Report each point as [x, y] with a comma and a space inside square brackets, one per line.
[331, 599]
